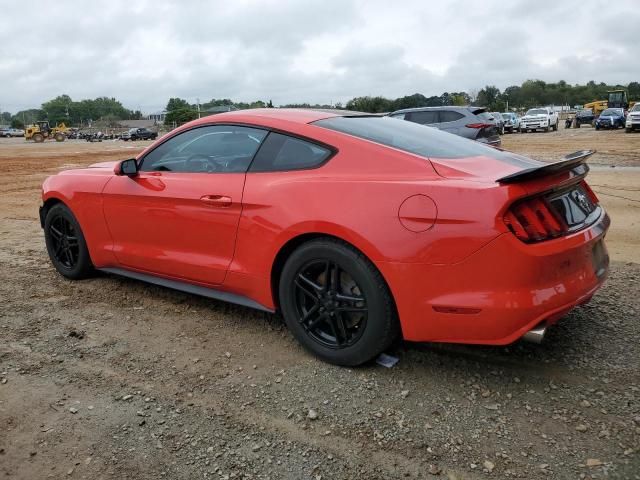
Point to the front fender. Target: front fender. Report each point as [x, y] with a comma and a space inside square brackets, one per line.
[82, 194]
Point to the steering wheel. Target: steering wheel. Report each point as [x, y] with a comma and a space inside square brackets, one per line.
[200, 163]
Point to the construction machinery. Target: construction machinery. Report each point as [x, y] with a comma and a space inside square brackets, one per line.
[615, 99]
[40, 131]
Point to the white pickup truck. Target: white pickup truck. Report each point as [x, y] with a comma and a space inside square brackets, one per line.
[542, 118]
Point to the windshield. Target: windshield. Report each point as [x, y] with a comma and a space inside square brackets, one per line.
[537, 111]
[609, 112]
[636, 107]
[414, 138]
[585, 112]
[508, 115]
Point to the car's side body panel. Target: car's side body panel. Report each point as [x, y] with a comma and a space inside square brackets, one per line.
[81, 191]
[161, 222]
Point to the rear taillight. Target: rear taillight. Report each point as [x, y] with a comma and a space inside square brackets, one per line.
[590, 193]
[478, 125]
[533, 220]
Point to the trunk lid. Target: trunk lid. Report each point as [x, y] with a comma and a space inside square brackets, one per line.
[505, 167]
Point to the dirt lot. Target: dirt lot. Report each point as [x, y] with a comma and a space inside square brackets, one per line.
[112, 378]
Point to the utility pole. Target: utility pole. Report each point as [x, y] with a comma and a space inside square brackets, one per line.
[198, 104]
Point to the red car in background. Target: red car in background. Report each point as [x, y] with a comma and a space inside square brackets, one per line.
[359, 229]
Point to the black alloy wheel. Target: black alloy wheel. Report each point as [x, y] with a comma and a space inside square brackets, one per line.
[64, 241]
[330, 305]
[66, 244]
[336, 303]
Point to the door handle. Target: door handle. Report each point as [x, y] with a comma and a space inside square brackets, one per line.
[216, 200]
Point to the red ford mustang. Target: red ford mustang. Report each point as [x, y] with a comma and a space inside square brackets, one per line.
[358, 228]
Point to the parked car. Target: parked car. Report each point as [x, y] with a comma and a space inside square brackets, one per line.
[611, 118]
[633, 119]
[11, 132]
[139, 134]
[499, 121]
[474, 123]
[584, 117]
[511, 122]
[540, 118]
[357, 228]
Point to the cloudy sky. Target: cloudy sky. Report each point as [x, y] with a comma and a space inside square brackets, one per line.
[143, 52]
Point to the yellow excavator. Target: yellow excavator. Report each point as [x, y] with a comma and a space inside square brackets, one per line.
[615, 99]
[40, 131]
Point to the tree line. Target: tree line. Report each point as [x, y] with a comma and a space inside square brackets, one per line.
[72, 113]
[529, 94]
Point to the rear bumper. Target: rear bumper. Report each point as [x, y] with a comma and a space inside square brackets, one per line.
[493, 141]
[502, 291]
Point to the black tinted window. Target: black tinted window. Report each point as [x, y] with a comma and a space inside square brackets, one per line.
[281, 152]
[450, 116]
[214, 149]
[418, 139]
[423, 118]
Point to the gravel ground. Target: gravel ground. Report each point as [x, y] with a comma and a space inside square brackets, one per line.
[112, 378]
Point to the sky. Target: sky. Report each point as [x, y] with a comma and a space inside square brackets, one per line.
[315, 51]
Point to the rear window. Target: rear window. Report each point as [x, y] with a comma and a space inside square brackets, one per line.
[420, 140]
[484, 116]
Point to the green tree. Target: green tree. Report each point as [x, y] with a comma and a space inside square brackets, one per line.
[181, 115]
[369, 104]
[489, 97]
[177, 104]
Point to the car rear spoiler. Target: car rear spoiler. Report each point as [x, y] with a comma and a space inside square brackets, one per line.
[570, 162]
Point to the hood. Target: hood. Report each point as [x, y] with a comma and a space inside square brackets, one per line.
[486, 168]
[109, 165]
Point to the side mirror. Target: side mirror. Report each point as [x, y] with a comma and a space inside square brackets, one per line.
[127, 167]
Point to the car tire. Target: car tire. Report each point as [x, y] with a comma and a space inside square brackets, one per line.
[336, 303]
[66, 244]
[555, 127]
[628, 130]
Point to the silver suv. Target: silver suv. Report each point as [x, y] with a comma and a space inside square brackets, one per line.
[474, 123]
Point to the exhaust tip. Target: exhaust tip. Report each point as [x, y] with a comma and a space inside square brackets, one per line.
[536, 335]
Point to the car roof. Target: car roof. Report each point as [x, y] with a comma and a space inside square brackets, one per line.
[468, 108]
[294, 115]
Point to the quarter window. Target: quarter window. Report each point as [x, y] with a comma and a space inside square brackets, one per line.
[210, 149]
[281, 152]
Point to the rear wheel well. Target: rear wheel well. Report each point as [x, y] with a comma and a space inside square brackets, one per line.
[289, 247]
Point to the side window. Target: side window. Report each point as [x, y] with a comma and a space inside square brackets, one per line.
[210, 149]
[281, 152]
[398, 115]
[423, 118]
[449, 116]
